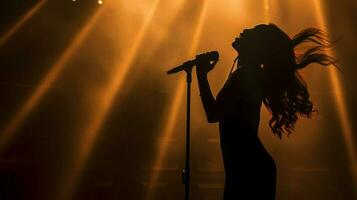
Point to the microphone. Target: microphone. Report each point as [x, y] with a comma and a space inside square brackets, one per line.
[188, 65]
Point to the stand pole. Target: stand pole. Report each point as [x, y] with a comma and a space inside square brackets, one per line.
[186, 171]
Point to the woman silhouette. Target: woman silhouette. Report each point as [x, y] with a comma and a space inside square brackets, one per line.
[267, 72]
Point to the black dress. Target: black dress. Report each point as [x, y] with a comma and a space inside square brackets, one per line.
[250, 172]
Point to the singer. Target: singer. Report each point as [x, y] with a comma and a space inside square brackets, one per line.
[267, 72]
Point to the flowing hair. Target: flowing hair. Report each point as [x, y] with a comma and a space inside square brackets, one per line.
[286, 95]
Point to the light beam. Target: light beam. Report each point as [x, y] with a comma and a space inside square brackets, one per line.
[46, 83]
[173, 109]
[266, 11]
[339, 98]
[106, 101]
[7, 35]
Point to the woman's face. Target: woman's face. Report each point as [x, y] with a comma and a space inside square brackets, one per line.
[249, 40]
[240, 40]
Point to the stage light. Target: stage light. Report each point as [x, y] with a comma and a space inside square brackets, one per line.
[4, 38]
[100, 2]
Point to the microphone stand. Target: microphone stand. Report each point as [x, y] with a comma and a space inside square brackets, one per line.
[186, 171]
[187, 67]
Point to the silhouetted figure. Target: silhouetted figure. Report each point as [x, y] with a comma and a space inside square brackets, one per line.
[266, 72]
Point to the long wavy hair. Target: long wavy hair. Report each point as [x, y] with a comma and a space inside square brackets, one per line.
[286, 95]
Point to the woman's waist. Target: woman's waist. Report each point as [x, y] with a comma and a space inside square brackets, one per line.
[242, 143]
[239, 127]
[250, 149]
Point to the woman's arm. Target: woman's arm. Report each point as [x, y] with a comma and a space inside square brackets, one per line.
[208, 101]
[204, 65]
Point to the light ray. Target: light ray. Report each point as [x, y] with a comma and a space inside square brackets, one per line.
[266, 11]
[173, 109]
[46, 83]
[167, 135]
[339, 98]
[7, 35]
[106, 101]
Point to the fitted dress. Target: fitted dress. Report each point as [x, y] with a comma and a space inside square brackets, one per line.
[250, 171]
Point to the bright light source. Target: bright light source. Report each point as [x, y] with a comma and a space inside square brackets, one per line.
[100, 2]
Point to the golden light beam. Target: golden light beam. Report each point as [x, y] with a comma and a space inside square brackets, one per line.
[46, 83]
[106, 101]
[7, 35]
[174, 108]
[339, 98]
[167, 133]
[266, 11]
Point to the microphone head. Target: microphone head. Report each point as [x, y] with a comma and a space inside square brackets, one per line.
[214, 55]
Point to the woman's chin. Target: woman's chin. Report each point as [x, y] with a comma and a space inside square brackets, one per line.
[235, 46]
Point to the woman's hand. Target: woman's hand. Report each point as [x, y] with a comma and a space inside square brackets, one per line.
[206, 62]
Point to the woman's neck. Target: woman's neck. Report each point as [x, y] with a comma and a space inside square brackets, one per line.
[248, 61]
[249, 65]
